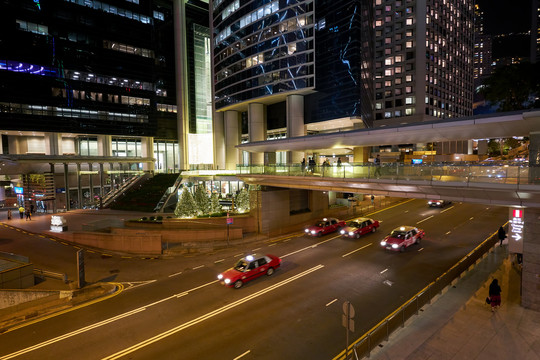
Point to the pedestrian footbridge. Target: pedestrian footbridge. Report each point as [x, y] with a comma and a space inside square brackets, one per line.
[505, 184]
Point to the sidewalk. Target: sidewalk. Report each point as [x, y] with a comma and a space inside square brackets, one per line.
[460, 325]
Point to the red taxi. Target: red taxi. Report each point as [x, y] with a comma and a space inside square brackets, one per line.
[402, 237]
[358, 227]
[249, 268]
[325, 226]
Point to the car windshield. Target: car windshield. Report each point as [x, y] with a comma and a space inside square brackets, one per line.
[353, 224]
[241, 265]
[398, 234]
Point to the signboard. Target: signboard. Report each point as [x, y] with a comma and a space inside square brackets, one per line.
[229, 221]
[58, 223]
[18, 190]
[417, 161]
[516, 230]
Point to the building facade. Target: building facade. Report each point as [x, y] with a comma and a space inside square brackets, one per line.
[336, 66]
[91, 87]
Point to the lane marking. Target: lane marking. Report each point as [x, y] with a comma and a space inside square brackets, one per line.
[255, 249]
[429, 217]
[309, 247]
[207, 316]
[385, 270]
[134, 284]
[244, 354]
[198, 267]
[472, 217]
[448, 233]
[352, 252]
[98, 324]
[451, 207]
[218, 261]
[421, 249]
[331, 302]
[175, 274]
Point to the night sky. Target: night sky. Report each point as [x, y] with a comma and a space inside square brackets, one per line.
[504, 16]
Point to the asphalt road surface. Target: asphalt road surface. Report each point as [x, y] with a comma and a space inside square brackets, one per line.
[178, 310]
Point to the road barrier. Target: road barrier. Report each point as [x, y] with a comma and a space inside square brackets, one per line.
[381, 332]
[51, 274]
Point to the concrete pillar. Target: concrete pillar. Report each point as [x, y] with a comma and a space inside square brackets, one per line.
[91, 180]
[534, 158]
[53, 144]
[66, 186]
[79, 187]
[530, 274]
[101, 181]
[147, 151]
[361, 154]
[469, 147]
[482, 147]
[233, 136]
[219, 140]
[295, 125]
[104, 145]
[257, 129]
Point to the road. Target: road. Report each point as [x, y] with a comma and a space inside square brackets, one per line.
[294, 314]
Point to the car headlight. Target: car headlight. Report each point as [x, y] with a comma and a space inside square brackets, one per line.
[383, 243]
[227, 281]
[220, 276]
[313, 232]
[307, 230]
[351, 233]
[395, 246]
[342, 232]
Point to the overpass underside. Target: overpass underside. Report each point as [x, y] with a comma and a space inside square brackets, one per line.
[502, 194]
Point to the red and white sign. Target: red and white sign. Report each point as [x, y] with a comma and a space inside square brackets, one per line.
[516, 231]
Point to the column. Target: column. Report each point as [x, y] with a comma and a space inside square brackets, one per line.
[53, 144]
[361, 154]
[79, 187]
[104, 145]
[218, 129]
[295, 125]
[482, 147]
[101, 181]
[257, 129]
[66, 186]
[91, 181]
[147, 151]
[233, 136]
[530, 274]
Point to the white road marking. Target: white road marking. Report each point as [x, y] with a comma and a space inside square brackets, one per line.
[178, 273]
[309, 247]
[273, 244]
[352, 252]
[198, 267]
[218, 261]
[451, 207]
[244, 354]
[134, 284]
[448, 233]
[471, 218]
[385, 270]
[99, 324]
[429, 217]
[420, 249]
[256, 249]
[331, 302]
[207, 316]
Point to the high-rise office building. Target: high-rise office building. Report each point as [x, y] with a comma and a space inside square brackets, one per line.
[423, 60]
[299, 65]
[482, 47]
[92, 85]
[337, 66]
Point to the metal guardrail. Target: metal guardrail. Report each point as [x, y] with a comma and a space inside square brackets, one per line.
[500, 173]
[381, 332]
[51, 274]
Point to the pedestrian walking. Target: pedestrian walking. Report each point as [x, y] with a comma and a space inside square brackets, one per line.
[377, 162]
[494, 295]
[21, 212]
[9, 214]
[303, 164]
[28, 215]
[502, 235]
[372, 199]
[31, 208]
[339, 162]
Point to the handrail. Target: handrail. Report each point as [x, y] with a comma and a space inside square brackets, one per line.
[466, 173]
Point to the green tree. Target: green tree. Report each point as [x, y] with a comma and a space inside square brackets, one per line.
[186, 206]
[513, 87]
[202, 200]
[241, 201]
[215, 206]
